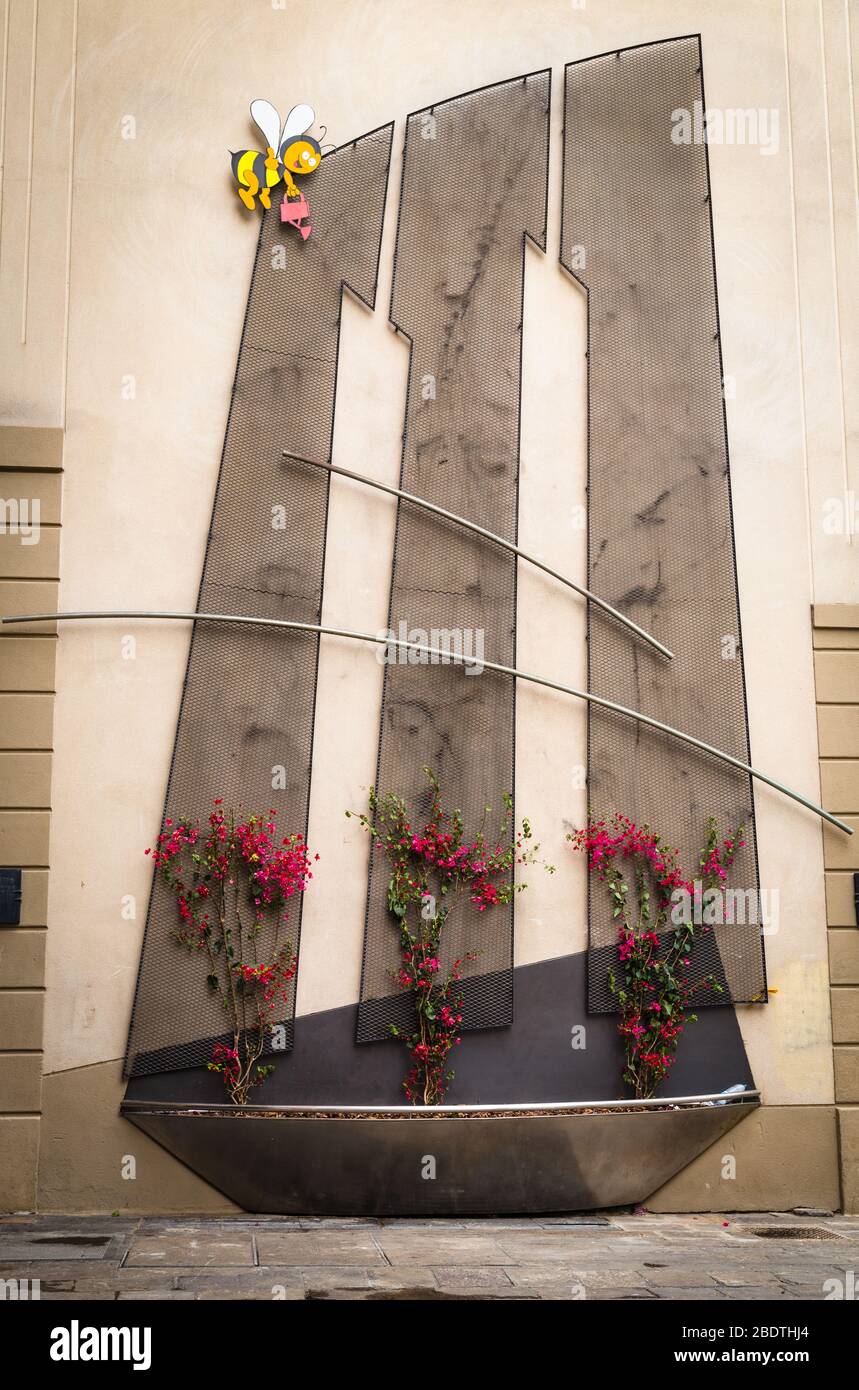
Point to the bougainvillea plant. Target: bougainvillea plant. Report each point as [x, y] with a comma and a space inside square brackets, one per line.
[656, 928]
[232, 880]
[435, 868]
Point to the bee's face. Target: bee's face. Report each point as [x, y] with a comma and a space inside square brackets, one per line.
[302, 156]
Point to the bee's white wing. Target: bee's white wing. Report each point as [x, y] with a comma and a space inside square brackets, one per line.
[266, 117]
[299, 120]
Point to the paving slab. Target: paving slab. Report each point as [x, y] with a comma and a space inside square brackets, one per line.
[156, 1295]
[713, 1295]
[588, 1279]
[806, 1276]
[471, 1277]
[99, 1297]
[411, 1276]
[423, 1247]
[609, 1278]
[54, 1245]
[465, 1295]
[621, 1295]
[187, 1249]
[569, 1245]
[776, 1294]
[289, 1295]
[744, 1278]
[322, 1277]
[78, 1275]
[233, 1281]
[320, 1247]
[555, 1272]
[677, 1277]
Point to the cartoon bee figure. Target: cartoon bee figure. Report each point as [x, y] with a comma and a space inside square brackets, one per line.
[289, 151]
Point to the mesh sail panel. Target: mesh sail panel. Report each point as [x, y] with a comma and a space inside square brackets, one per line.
[474, 186]
[248, 702]
[637, 233]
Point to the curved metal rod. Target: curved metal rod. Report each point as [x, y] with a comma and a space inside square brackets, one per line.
[456, 658]
[490, 536]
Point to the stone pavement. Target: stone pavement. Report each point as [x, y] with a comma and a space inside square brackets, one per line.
[613, 1256]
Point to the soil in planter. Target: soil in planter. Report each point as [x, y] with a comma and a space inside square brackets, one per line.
[239, 1112]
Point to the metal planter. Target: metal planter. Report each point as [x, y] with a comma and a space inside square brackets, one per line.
[468, 1160]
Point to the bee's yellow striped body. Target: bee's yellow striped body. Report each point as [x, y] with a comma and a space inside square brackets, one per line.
[255, 174]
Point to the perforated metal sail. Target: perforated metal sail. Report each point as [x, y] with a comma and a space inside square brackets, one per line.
[245, 729]
[637, 233]
[474, 186]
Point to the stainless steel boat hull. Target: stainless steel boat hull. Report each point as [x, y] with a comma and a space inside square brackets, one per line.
[438, 1165]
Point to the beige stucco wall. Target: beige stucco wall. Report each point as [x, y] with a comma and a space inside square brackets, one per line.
[133, 351]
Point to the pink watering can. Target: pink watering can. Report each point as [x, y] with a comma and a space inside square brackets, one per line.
[294, 211]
